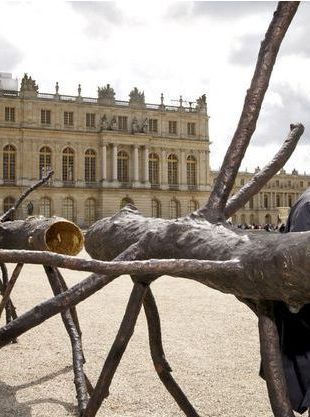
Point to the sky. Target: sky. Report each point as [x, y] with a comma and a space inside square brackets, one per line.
[175, 48]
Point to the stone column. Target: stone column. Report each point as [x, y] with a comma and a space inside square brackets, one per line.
[104, 162]
[164, 169]
[136, 165]
[114, 163]
[146, 166]
[182, 171]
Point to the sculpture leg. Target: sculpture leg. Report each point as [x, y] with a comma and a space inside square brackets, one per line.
[80, 381]
[114, 357]
[158, 356]
[272, 361]
[9, 287]
[10, 310]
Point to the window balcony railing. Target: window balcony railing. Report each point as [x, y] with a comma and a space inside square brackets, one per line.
[173, 186]
[68, 183]
[9, 182]
[192, 186]
[153, 185]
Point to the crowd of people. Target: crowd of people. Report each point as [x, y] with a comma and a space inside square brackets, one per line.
[268, 226]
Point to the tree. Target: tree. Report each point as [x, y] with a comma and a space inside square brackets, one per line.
[258, 268]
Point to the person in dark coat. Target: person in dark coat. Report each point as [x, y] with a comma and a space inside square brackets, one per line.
[294, 324]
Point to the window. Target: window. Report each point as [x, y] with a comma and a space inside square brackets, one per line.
[193, 205]
[9, 114]
[301, 184]
[191, 170]
[251, 203]
[9, 163]
[153, 125]
[122, 167]
[172, 127]
[191, 129]
[154, 169]
[265, 201]
[172, 170]
[68, 118]
[122, 122]
[45, 161]
[125, 201]
[242, 181]
[156, 208]
[90, 165]
[278, 203]
[290, 201]
[46, 117]
[175, 209]
[68, 164]
[90, 211]
[90, 119]
[8, 202]
[45, 207]
[68, 209]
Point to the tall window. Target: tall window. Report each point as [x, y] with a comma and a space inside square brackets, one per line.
[90, 165]
[191, 129]
[156, 208]
[45, 161]
[45, 207]
[172, 127]
[90, 119]
[68, 209]
[8, 202]
[68, 118]
[266, 202]
[175, 209]
[9, 163]
[122, 122]
[125, 201]
[68, 164]
[46, 117]
[278, 203]
[154, 169]
[172, 170]
[153, 125]
[90, 211]
[251, 203]
[191, 170]
[9, 114]
[290, 201]
[193, 205]
[122, 167]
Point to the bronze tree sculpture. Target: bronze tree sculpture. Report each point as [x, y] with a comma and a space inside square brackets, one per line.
[258, 268]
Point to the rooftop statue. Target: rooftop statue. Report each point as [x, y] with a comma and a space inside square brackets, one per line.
[136, 97]
[106, 94]
[201, 103]
[28, 85]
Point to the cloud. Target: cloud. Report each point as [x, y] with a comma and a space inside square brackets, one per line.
[99, 15]
[10, 55]
[231, 10]
[245, 50]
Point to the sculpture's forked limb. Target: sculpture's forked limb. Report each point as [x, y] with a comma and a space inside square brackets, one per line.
[9, 287]
[10, 310]
[158, 356]
[80, 381]
[114, 357]
[272, 361]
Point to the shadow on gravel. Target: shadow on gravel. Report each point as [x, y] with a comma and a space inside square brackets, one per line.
[10, 407]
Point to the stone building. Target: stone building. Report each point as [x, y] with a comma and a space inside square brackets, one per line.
[105, 153]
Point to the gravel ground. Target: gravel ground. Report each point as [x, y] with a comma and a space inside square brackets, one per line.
[210, 340]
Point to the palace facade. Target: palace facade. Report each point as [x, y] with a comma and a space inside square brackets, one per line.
[106, 153]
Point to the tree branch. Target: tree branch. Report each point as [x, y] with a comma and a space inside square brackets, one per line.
[213, 210]
[262, 177]
[9, 213]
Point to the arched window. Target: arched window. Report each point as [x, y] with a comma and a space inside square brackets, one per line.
[8, 202]
[243, 219]
[90, 165]
[9, 163]
[122, 166]
[45, 207]
[191, 171]
[268, 219]
[68, 164]
[90, 211]
[172, 170]
[252, 219]
[175, 209]
[154, 168]
[192, 205]
[156, 208]
[125, 201]
[68, 209]
[45, 161]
